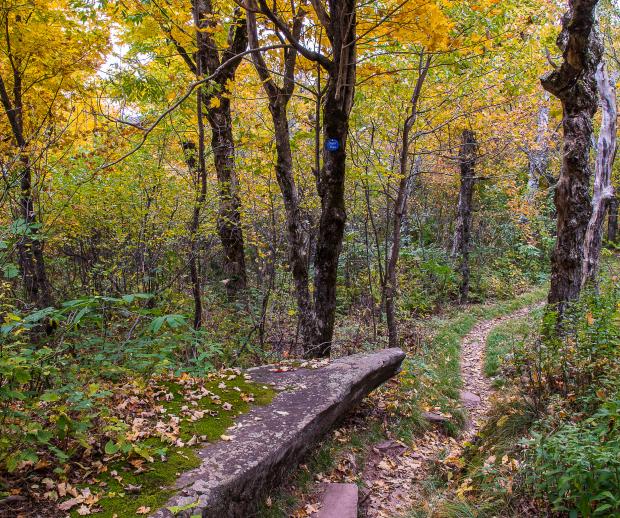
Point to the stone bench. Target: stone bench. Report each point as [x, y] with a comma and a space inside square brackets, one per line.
[269, 441]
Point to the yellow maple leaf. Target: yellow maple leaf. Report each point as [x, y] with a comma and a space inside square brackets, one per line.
[215, 102]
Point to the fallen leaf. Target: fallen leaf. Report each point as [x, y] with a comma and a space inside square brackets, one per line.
[72, 502]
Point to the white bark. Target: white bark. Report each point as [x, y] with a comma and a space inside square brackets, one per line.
[539, 156]
[603, 189]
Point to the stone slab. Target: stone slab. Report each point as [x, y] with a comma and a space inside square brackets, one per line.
[339, 501]
[269, 441]
[469, 399]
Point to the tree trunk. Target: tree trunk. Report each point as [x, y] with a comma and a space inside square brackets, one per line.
[462, 235]
[400, 206]
[229, 218]
[340, 25]
[603, 188]
[219, 116]
[612, 222]
[296, 220]
[336, 112]
[199, 177]
[574, 84]
[30, 243]
[538, 157]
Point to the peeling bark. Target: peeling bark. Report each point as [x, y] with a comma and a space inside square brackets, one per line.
[574, 83]
[603, 188]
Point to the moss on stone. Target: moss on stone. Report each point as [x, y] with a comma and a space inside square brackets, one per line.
[123, 489]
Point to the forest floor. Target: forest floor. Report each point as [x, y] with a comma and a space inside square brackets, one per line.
[404, 484]
[404, 466]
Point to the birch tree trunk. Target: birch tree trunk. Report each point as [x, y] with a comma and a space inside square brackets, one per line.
[574, 83]
[538, 157]
[612, 221]
[603, 188]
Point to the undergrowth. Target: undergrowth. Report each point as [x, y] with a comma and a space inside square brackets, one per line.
[551, 445]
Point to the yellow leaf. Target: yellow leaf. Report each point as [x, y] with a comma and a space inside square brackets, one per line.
[215, 102]
[502, 421]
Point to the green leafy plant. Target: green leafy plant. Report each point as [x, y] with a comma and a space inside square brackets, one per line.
[577, 467]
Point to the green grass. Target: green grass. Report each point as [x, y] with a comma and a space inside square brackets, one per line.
[155, 482]
[503, 339]
[501, 342]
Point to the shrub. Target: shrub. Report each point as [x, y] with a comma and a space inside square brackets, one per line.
[581, 360]
[577, 467]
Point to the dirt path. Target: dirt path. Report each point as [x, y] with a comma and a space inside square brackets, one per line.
[396, 475]
[477, 390]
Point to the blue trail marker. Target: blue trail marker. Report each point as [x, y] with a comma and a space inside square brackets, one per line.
[332, 144]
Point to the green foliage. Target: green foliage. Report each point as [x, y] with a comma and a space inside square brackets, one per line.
[582, 358]
[504, 339]
[428, 280]
[574, 457]
[65, 379]
[577, 467]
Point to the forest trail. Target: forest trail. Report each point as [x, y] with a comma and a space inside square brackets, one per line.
[477, 390]
[398, 476]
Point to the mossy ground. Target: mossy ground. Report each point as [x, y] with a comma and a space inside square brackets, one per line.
[117, 485]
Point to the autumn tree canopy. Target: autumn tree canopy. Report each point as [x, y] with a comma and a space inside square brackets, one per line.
[194, 185]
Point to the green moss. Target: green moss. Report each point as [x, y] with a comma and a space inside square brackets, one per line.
[117, 486]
